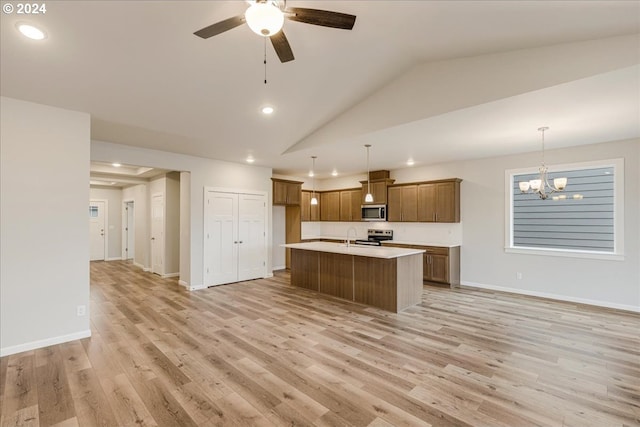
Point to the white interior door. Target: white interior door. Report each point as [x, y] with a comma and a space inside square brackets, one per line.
[221, 247]
[252, 253]
[97, 231]
[129, 229]
[157, 234]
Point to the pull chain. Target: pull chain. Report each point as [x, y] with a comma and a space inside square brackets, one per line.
[265, 60]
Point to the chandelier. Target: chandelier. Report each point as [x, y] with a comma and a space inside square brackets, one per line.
[541, 185]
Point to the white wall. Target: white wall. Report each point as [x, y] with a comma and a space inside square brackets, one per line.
[113, 196]
[139, 195]
[44, 250]
[204, 173]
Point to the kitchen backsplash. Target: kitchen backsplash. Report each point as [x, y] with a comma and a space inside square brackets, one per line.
[445, 234]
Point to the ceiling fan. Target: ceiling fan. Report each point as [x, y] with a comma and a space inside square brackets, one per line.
[266, 17]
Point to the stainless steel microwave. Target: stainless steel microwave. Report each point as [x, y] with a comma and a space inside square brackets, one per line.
[374, 212]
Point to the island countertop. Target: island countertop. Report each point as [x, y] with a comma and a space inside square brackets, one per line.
[356, 250]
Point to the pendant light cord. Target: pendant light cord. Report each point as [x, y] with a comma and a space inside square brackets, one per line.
[368, 173]
[265, 60]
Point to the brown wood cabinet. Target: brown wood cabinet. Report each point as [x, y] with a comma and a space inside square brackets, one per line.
[378, 191]
[439, 201]
[287, 193]
[330, 206]
[350, 205]
[441, 264]
[402, 203]
[309, 212]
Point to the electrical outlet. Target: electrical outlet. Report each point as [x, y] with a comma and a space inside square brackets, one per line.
[519, 275]
[81, 310]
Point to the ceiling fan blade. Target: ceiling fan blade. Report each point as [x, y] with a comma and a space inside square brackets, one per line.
[323, 18]
[220, 27]
[282, 47]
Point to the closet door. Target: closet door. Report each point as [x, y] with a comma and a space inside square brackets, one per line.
[221, 242]
[252, 253]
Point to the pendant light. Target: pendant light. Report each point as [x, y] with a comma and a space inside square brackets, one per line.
[314, 200]
[541, 185]
[368, 198]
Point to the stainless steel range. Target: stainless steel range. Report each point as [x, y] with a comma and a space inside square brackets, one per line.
[375, 237]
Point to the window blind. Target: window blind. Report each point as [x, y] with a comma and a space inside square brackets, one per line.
[580, 218]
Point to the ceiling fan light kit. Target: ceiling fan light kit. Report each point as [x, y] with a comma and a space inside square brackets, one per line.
[266, 19]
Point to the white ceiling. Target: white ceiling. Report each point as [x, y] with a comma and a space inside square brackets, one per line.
[146, 80]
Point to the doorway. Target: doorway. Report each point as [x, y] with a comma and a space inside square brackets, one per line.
[97, 230]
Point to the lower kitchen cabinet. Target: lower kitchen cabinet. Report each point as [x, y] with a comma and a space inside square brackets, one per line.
[441, 264]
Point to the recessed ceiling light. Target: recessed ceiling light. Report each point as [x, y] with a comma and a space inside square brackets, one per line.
[334, 173]
[32, 32]
[250, 159]
[410, 162]
[116, 165]
[267, 110]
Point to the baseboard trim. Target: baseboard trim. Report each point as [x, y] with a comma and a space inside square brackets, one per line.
[115, 258]
[7, 351]
[279, 267]
[165, 276]
[268, 275]
[557, 297]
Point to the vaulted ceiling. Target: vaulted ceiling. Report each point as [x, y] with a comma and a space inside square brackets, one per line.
[429, 80]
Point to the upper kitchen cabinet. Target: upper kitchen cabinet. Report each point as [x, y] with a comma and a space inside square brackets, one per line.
[308, 211]
[402, 203]
[330, 206]
[286, 192]
[439, 201]
[350, 205]
[379, 182]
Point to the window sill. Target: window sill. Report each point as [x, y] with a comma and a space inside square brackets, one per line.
[565, 253]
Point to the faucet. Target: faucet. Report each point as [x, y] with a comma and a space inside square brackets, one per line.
[355, 234]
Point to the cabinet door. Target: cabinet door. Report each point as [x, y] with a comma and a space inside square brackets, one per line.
[345, 206]
[356, 205]
[394, 207]
[446, 210]
[410, 203]
[315, 209]
[330, 206]
[427, 202]
[279, 193]
[439, 268]
[294, 193]
[305, 206]
[378, 191]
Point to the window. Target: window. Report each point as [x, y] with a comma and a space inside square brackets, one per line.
[583, 220]
[93, 211]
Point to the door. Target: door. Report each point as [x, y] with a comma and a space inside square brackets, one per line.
[129, 231]
[251, 236]
[157, 234]
[97, 238]
[221, 231]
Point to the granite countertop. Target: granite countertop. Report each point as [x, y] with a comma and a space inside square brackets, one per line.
[357, 250]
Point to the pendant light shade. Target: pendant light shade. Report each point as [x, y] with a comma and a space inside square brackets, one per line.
[369, 197]
[314, 200]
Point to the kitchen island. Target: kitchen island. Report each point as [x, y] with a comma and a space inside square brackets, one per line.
[384, 277]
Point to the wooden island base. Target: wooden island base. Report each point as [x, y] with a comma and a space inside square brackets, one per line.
[391, 284]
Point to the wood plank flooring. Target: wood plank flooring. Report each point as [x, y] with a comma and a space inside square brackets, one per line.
[265, 353]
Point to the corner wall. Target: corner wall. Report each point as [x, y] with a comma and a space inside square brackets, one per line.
[44, 250]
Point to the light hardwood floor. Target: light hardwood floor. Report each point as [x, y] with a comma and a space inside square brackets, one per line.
[264, 353]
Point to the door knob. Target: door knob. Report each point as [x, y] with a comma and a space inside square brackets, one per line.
[240, 241]
[153, 238]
